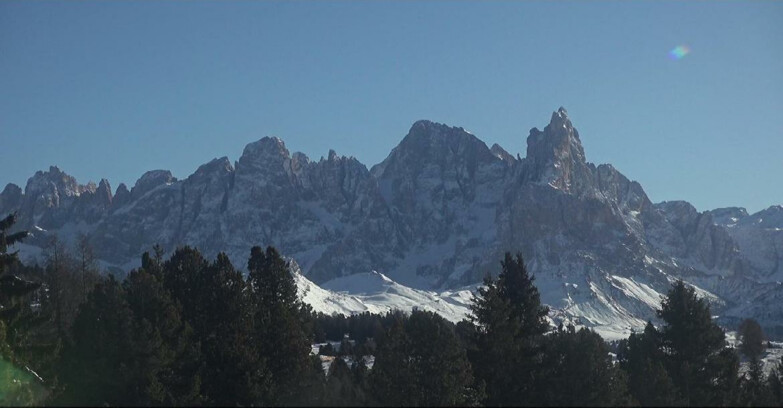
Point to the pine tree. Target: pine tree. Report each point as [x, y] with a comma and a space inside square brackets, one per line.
[164, 363]
[235, 371]
[62, 287]
[702, 369]
[182, 273]
[312, 389]
[13, 289]
[751, 338]
[510, 322]
[217, 302]
[390, 378]
[361, 379]
[87, 266]
[422, 363]
[280, 322]
[755, 391]
[775, 384]
[7, 259]
[578, 371]
[32, 339]
[18, 324]
[643, 360]
[95, 366]
[342, 387]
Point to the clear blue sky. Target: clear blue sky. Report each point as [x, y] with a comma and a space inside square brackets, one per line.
[114, 89]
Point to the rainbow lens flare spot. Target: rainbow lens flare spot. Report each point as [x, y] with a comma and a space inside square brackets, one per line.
[679, 52]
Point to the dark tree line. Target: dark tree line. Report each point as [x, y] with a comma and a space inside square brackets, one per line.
[185, 330]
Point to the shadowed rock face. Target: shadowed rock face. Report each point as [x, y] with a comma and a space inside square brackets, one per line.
[438, 212]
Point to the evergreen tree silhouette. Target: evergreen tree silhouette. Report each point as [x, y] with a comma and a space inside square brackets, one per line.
[510, 322]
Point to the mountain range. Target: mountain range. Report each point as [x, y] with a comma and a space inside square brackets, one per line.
[433, 218]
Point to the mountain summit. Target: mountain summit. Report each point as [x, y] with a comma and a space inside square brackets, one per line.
[556, 157]
[437, 214]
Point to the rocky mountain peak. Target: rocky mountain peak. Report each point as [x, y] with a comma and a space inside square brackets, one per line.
[424, 132]
[299, 163]
[728, 216]
[266, 147]
[560, 118]
[267, 157]
[301, 158]
[215, 166]
[10, 198]
[103, 192]
[121, 189]
[53, 181]
[431, 143]
[678, 208]
[121, 196]
[10, 189]
[772, 217]
[438, 213]
[150, 180]
[555, 155]
[502, 154]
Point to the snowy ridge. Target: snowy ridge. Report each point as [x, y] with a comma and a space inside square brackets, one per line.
[375, 293]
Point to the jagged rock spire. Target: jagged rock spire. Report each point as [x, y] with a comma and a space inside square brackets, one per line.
[555, 155]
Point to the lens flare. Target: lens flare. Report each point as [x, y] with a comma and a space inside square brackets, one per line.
[679, 52]
[19, 387]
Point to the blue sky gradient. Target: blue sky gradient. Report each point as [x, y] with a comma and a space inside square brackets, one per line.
[114, 89]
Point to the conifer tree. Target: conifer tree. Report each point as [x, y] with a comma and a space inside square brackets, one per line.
[421, 363]
[280, 322]
[312, 388]
[702, 369]
[235, 371]
[751, 337]
[643, 360]
[342, 387]
[361, 378]
[95, 365]
[182, 274]
[755, 390]
[164, 367]
[87, 266]
[18, 325]
[13, 289]
[217, 303]
[510, 322]
[775, 384]
[63, 294]
[7, 259]
[390, 379]
[578, 371]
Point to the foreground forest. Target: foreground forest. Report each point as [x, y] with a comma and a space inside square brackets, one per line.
[185, 330]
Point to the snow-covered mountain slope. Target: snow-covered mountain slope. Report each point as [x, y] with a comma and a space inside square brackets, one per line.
[437, 214]
[373, 292]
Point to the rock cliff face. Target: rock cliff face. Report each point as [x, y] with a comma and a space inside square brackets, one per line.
[436, 214]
